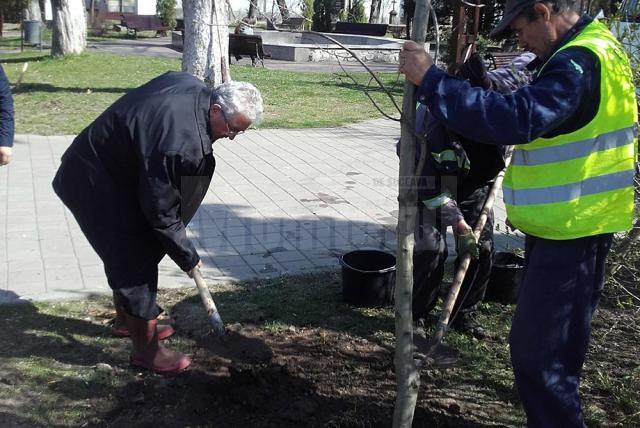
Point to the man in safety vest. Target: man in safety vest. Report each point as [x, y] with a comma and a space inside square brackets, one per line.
[569, 186]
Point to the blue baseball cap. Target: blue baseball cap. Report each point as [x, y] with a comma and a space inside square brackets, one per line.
[512, 9]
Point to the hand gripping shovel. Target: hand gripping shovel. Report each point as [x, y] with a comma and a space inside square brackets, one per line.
[209, 305]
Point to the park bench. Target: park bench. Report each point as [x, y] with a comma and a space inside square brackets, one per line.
[247, 45]
[135, 23]
[361, 28]
[500, 59]
[104, 20]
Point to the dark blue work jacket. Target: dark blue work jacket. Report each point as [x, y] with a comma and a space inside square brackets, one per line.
[562, 98]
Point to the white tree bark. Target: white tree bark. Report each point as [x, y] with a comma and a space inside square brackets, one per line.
[407, 371]
[34, 10]
[206, 41]
[69, 34]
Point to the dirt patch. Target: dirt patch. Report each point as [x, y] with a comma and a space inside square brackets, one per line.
[295, 355]
[316, 377]
[292, 378]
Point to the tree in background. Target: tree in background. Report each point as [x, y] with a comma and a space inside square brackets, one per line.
[33, 12]
[166, 10]
[306, 7]
[284, 10]
[252, 13]
[69, 35]
[322, 15]
[356, 12]
[206, 41]
[376, 7]
[490, 15]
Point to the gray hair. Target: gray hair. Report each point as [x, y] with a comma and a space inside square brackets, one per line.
[240, 97]
[557, 6]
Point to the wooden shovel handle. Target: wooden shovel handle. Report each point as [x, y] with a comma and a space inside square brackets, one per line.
[209, 305]
[447, 307]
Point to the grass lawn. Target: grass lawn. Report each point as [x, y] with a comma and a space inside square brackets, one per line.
[62, 96]
[295, 355]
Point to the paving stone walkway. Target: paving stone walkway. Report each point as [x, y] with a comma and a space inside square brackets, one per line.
[282, 201]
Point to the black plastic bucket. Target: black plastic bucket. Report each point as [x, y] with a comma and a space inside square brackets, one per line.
[505, 278]
[368, 277]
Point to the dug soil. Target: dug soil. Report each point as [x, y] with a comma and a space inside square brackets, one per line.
[298, 377]
[294, 356]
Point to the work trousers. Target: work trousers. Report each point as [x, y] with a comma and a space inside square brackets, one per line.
[561, 285]
[431, 252]
[135, 289]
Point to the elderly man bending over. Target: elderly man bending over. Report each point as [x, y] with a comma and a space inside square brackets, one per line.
[135, 177]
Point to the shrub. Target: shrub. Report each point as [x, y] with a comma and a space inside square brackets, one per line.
[166, 10]
[307, 11]
[356, 13]
[322, 15]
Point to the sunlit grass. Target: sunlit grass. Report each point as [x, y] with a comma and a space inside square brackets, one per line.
[62, 96]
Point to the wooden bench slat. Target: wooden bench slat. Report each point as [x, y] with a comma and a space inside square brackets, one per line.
[501, 59]
[247, 45]
[137, 23]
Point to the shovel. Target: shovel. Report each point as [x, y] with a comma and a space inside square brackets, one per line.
[209, 305]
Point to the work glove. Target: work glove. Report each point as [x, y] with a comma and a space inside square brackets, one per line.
[466, 243]
[474, 70]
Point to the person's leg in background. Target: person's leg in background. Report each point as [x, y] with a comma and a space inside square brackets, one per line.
[476, 280]
[429, 256]
[561, 287]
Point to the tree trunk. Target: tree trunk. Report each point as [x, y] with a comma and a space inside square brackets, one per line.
[407, 372]
[34, 10]
[252, 15]
[374, 16]
[92, 14]
[69, 34]
[284, 11]
[1, 22]
[206, 41]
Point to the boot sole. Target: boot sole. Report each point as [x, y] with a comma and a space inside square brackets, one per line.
[139, 363]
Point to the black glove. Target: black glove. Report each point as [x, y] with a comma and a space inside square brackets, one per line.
[474, 70]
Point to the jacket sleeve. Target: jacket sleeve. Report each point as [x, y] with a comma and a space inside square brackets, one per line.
[518, 118]
[513, 76]
[6, 111]
[160, 200]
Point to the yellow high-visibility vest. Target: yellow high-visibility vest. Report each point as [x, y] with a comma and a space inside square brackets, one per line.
[581, 183]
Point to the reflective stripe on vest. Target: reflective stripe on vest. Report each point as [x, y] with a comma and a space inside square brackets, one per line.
[581, 183]
[579, 149]
[569, 192]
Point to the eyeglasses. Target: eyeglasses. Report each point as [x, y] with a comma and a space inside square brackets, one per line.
[231, 132]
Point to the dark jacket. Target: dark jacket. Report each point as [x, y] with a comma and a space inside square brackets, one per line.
[457, 165]
[135, 177]
[562, 98]
[6, 111]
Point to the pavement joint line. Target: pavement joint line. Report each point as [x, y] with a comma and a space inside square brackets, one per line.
[280, 168]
